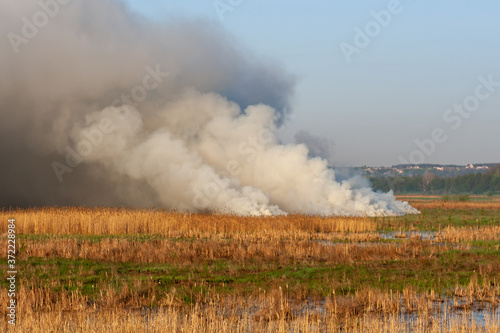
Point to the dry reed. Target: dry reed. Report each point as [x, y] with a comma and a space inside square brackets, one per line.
[194, 238]
[199, 250]
[367, 311]
[439, 204]
[120, 221]
[457, 234]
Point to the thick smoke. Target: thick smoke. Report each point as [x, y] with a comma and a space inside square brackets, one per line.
[101, 107]
[318, 146]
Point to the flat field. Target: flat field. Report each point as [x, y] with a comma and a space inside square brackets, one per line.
[121, 270]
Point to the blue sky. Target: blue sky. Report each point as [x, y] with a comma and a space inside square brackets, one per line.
[382, 106]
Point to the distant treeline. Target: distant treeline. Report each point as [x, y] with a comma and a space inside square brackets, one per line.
[478, 183]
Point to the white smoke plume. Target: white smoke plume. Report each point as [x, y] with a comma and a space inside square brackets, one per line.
[101, 107]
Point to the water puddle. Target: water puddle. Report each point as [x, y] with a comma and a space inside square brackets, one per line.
[423, 235]
[443, 311]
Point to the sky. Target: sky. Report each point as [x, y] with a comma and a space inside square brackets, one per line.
[379, 101]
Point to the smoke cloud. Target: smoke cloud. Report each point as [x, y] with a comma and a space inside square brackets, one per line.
[100, 106]
[318, 146]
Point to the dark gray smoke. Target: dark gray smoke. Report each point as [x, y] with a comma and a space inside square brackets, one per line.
[318, 146]
[100, 106]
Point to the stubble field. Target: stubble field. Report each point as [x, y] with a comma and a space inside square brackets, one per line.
[120, 270]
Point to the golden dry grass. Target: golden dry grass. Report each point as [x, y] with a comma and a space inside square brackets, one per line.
[456, 234]
[207, 319]
[427, 197]
[196, 251]
[195, 239]
[366, 311]
[467, 205]
[120, 221]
